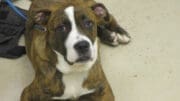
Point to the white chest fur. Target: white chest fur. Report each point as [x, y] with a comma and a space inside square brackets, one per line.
[74, 85]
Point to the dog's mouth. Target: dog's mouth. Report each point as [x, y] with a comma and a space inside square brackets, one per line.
[81, 60]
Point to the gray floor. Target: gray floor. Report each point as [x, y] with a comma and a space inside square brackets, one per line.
[148, 69]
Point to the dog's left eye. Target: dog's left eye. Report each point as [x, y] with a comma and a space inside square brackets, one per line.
[88, 23]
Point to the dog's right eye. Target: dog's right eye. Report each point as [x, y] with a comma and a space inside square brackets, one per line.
[64, 28]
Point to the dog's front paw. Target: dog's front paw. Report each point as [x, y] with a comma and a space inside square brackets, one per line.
[113, 37]
[119, 39]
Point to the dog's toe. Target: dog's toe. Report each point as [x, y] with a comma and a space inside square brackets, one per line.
[124, 39]
[119, 39]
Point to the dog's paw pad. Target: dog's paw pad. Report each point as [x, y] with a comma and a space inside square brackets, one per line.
[119, 39]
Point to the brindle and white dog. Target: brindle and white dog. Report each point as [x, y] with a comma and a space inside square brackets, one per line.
[62, 44]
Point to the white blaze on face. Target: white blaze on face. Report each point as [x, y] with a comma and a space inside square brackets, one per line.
[74, 37]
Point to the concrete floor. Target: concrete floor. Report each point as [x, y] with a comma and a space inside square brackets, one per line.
[148, 69]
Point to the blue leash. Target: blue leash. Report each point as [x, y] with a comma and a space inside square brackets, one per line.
[11, 5]
[15, 9]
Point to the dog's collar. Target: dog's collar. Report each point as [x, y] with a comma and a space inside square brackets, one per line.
[40, 27]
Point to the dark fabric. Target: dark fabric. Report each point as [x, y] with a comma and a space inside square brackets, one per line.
[12, 27]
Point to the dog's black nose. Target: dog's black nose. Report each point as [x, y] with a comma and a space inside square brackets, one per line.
[82, 47]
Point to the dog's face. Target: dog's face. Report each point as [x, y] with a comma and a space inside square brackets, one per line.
[77, 32]
[72, 35]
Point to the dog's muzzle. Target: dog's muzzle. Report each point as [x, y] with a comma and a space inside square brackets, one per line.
[83, 50]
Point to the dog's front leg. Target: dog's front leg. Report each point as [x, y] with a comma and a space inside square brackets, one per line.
[109, 31]
[31, 94]
[42, 89]
[112, 34]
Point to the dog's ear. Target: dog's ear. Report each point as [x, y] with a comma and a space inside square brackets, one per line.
[42, 17]
[100, 11]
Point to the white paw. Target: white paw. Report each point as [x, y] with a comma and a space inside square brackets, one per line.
[118, 39]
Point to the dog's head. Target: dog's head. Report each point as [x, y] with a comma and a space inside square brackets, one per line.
[70, 31]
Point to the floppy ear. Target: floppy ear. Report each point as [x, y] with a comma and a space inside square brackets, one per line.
[100, 11]
[42, 17]
[36, 37]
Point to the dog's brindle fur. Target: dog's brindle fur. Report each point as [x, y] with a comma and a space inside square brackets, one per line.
[40, 46]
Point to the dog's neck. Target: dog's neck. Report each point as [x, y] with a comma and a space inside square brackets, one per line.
[74, 86]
